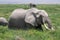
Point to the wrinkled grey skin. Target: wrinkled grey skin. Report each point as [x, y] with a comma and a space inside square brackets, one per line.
[33, 17]
[3, 21]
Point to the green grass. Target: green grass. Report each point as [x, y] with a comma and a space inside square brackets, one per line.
[31, 34]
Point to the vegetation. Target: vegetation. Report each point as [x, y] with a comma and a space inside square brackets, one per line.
[31, 34]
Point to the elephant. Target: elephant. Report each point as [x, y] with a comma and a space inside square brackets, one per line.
[33, 17]
[32, 5]
[3, 21]
[38, 18]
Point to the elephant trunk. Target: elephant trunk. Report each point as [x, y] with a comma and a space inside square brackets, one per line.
[49, 24]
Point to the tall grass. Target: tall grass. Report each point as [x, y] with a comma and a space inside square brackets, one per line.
[31, 34]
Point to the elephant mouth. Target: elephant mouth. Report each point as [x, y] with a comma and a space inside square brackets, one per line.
[39, 26]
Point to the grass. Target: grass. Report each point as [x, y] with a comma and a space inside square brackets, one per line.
[31, 34]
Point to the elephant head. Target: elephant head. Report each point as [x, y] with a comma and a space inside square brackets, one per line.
[44, 19]
[37, 17]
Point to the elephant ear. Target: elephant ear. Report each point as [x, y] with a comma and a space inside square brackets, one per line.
[29, 18]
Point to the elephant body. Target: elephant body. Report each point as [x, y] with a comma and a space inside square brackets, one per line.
[21, 18]
[3, 21]
[16, 19]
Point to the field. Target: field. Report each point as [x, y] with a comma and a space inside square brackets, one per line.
[31, 34]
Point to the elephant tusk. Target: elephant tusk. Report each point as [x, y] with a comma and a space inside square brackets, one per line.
[46, 27]
[52, 29]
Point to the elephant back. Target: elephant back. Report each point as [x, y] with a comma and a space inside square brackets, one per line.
[18, 12]
[3, 21]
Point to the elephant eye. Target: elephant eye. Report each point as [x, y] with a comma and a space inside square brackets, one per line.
[37, 13]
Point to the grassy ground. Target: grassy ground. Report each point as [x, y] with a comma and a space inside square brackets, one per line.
[31, 34]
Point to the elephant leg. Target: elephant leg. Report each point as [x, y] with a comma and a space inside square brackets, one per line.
[11, 24]
[28, 26]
